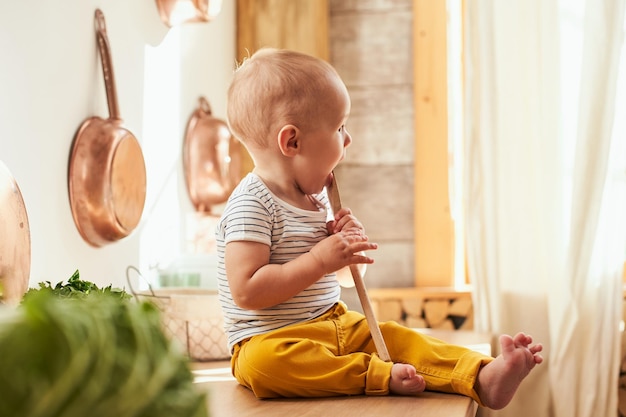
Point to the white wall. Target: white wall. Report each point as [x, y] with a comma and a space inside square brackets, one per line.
[51, 81]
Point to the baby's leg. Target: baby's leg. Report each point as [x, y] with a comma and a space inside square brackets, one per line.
[498, 381]
[405, 380]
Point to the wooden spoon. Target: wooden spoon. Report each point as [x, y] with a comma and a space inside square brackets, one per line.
[379, 342]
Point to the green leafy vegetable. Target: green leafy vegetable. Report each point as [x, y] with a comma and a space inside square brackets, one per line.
[97, 356]
[77, 288]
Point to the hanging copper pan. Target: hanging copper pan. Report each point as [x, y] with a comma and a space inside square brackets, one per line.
[14, 240]
[107, 173]
[211, 159]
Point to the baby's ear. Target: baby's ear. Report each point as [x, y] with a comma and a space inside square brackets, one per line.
[289, 140]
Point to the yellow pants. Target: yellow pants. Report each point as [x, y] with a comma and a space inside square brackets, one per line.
[334, 354]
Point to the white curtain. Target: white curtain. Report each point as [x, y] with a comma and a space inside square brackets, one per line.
[544, 207]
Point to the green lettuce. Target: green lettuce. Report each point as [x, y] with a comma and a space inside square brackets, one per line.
[77, 288]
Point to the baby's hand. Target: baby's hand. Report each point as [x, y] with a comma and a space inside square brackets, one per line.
[346, 247]
[344, 219]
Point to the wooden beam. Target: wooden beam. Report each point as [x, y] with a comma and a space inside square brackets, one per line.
[434, 231]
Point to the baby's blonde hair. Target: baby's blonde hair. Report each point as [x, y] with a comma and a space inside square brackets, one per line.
[274, 87]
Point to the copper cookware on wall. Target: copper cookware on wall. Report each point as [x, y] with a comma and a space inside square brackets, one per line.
[14, 240]
[211, 159]
[175, 12]
[107, 173]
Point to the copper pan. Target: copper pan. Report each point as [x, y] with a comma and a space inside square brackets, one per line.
[107, 173]
[175, 12]
[14, 240]
[211, 158]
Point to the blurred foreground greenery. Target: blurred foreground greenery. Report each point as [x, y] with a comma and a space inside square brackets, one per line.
[92, 353]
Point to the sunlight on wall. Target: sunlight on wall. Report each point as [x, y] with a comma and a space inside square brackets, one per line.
[160, 238]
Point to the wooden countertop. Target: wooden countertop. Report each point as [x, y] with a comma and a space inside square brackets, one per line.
[227, 398]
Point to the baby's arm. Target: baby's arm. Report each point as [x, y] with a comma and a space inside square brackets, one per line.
[257, 284]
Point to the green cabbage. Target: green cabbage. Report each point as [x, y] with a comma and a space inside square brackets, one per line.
[91, 356]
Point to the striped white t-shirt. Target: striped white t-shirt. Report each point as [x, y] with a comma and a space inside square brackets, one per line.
[253, 213]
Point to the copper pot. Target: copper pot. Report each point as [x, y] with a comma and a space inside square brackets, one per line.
[175, 12]
[107, 173]
[211, 158]
[15, 240]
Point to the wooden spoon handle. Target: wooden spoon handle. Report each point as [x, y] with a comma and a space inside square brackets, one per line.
[379, 342]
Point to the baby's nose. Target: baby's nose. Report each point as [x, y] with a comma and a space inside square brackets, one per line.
[348, 140]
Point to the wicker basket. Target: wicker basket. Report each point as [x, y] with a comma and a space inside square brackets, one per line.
[193, 317]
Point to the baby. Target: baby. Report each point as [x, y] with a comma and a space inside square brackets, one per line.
[288, 331]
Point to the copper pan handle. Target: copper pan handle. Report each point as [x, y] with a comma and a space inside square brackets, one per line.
[204, 106]
[107, 66]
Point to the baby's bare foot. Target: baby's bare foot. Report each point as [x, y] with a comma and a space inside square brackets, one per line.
[405, 380]
[498, 381]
